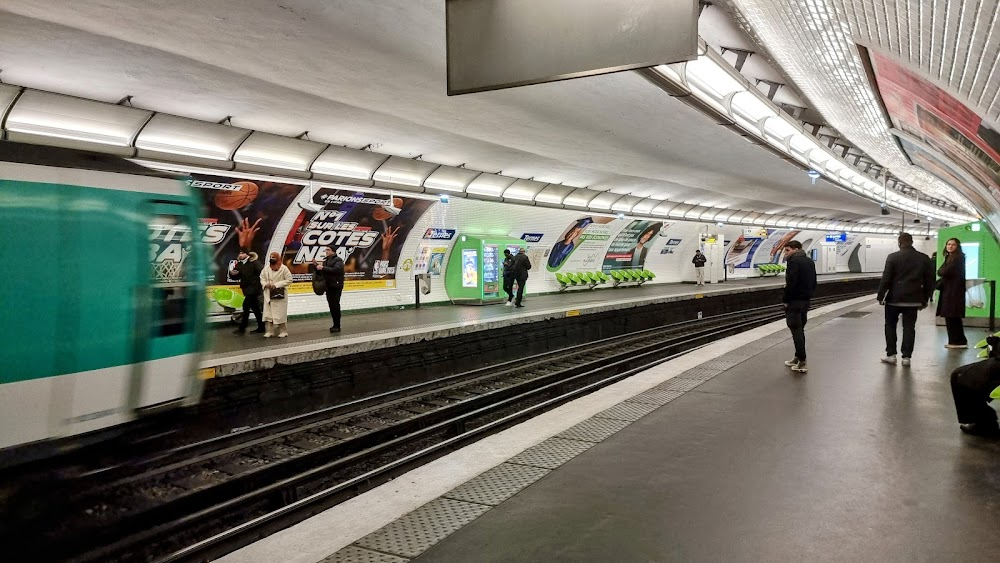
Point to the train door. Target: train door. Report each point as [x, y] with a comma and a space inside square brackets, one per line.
[168, 322]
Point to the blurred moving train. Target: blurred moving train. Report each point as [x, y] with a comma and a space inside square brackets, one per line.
[103, 296]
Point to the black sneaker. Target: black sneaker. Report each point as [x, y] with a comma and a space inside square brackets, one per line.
[259, 330]
[981, 429]
[334, 329]
[240, 331]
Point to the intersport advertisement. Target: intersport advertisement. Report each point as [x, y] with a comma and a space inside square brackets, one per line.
[366, 229]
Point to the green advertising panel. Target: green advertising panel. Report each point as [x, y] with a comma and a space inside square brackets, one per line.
[982, 263]
[475, 269]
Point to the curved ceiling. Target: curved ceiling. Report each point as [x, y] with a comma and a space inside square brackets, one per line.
[373, 73]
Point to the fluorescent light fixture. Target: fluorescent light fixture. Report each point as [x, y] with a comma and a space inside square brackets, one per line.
[626, 204]
[664, 208]
[779, 128]
[43, 114]
[711, 78]
[554, 194]
[450, 179]
[750, 107]
[680, 210]
[8, 94]
[190, 137]
[523, 190]
[645, 206]
[276, 151]
[348, 163]
[491, 185]
[604, 200]
[403, 172]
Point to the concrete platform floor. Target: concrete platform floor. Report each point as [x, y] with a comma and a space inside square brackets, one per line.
[856, 461]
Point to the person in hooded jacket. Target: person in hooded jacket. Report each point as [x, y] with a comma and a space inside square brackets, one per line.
[951, 299]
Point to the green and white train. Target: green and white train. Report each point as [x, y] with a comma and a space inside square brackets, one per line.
[103, 295]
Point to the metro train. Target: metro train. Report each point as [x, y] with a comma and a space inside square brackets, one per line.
[103, 296]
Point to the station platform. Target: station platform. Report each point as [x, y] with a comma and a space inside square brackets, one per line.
[721, 454]
[309, 339]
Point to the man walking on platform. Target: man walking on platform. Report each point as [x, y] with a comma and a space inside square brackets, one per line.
[699, 266]
[800, 285]
[906, 287]
[247, 271]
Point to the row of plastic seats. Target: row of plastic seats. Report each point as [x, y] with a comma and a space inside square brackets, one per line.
[621, 276]
[591, 279]
[770, 269]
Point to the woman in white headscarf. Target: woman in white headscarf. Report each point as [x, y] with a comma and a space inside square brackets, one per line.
[275, 278]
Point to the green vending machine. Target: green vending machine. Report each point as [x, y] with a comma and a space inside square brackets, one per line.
[982, 263]
[475, 269]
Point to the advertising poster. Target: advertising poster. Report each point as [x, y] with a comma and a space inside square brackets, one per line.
[432, 250]
[774, 244]
[848, 244]
[942, 123]
[239, 213]
[436, 262]
[363, 228]
[470, 268]
[630, 247]
[581, 245]
[740, 253]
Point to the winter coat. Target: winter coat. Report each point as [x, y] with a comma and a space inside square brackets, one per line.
[521, 266]
[248, 274]
[951, 300]
[508, 269]
[800, 278]
[276, 311]
[908, 278]
[699, 260]
[333, 272]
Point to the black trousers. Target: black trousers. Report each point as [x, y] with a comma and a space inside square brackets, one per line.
[252, 303]
[956, 333]
[892, 314]
[508, 287]
[333, 300]
[796, 317]
[970, 400]
[520, 289]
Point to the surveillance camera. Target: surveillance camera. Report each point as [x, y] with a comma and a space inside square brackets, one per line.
[916, 220]
[885, 211]
[928, 237]
[392, 210]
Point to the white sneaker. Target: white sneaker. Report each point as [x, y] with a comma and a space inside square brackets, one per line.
[800, 367]
[956, 346]
[508, 304]
[792, 363]
[906, 362]
[283, 335]
[889, 360]
[268, 335]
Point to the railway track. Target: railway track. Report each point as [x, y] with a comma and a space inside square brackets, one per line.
[200, 500]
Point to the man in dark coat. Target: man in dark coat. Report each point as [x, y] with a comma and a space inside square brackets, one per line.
[508, 277]
[800, 286]
[906, 287]
[332, 270]
[521, 267]
[247, 271]
[971, 386]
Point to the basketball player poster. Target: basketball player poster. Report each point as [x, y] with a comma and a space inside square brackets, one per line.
[239, 213]
[365, 229]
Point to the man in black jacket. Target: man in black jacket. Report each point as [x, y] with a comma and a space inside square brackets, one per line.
[247, 271]
[800, 285]
[332, 270]
[521, 267]
[906, 287]
[699, 266]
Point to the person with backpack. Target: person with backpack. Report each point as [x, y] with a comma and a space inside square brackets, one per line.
[521, 267]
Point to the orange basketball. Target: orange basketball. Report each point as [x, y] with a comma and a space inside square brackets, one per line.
[238, 199]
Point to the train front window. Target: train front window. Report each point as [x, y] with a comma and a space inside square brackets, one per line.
[170, 243]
